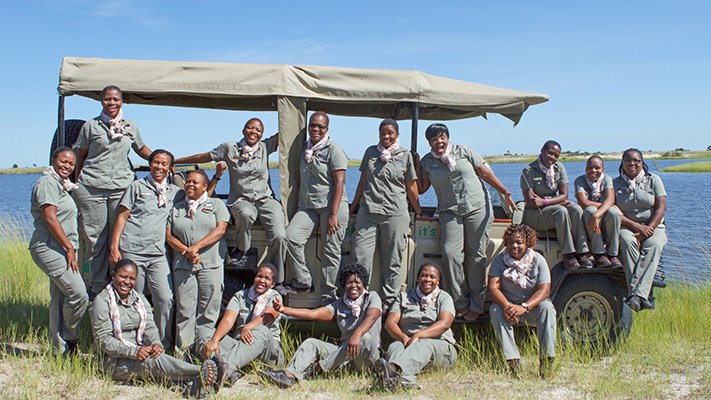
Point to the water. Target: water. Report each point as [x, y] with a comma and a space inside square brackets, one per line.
[686, 257]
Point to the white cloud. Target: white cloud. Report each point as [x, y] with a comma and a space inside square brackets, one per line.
[127, 11]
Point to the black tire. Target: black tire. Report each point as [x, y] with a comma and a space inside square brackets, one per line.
[591, 310]
[72, 127]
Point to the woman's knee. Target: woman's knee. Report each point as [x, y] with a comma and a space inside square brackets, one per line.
[589, 211]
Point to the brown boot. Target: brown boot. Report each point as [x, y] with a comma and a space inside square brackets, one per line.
[546, 367]
[515, 367]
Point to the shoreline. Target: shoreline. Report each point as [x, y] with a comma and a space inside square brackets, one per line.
[491, 159]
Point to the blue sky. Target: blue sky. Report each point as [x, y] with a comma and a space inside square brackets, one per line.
[619, 74]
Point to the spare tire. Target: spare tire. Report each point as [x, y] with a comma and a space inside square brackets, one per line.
[72, 127]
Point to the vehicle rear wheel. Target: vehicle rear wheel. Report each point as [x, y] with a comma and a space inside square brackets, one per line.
[72, 127]
[591, 310]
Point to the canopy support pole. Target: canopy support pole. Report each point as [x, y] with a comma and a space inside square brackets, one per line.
[415, 119]
[60, 122]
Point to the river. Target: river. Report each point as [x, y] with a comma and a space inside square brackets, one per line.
[687, 256]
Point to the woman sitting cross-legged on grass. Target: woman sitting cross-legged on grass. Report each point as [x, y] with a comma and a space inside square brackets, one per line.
[420, 322]
[126, 333]
[357, 314]
[519, 284]
[255, 324]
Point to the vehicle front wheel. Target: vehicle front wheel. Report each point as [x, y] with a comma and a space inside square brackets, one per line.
[591, 310]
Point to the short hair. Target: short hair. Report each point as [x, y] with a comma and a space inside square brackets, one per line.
[645, 167]
[162, 151]
[435, 130]
[595, 157]
[529, 234]
[201, 173]
[550, 143]
[321, 113]
[60, 150]
[389, 122]
[124, 263]
[433, 265]
[353, 269]
[270, 267]
[254, 119]
[111, 87]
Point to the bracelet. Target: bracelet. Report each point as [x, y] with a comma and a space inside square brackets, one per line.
[546, 199]
[215, 178]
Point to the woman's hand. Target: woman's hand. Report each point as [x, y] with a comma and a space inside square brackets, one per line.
[156, 350]
[332, 224]
[508, 200]
[513, 311]
[220, 169]
[143, 353]
[212, 346]
[115, 255]
[72, 263]
[192, 253]
[278, 305]
[594, 224]
[413, 339]
[354, 345]
[246, 334]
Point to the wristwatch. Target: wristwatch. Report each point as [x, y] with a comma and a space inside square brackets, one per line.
[525, 305]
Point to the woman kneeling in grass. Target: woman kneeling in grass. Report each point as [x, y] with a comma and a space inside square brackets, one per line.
[519, 284]
[126, 333]
[420, 322]
[357, 314]
[255, 324]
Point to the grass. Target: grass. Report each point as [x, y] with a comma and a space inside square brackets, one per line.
[667, 355]
[704, 166]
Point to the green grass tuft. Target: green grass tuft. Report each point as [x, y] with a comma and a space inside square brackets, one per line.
[704, 166]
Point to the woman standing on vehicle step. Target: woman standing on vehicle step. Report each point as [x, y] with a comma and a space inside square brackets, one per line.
[104, 172]
[196, 226]
[544, 183]
[387, 181]
[53, 248]
[457, 174]
[251, 196]
[139, 235]
[643, 201]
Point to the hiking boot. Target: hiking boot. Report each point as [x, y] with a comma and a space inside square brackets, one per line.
[601, 261]
[386, 372]
[295, 288]
[515, 367]
[222, 370]
[546, 367]
[584, 261]
[570, 262]
[238, 259]
[281, 290]
[616, 263]
[233, 378]
[279, 378]
[646, 304]
[71, 348]
[634, 302]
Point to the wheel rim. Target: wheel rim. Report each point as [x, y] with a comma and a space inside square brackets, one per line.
[587, 316]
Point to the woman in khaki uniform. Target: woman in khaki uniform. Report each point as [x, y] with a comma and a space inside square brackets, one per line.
[196, 226]
[420, 323]
[104, 173]
[643, 200]
[457, 174]
[53, 248]
[387, 181]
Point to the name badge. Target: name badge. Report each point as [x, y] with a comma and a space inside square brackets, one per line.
[207, 208]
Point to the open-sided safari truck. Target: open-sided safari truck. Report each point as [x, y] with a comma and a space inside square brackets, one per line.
[589, 302]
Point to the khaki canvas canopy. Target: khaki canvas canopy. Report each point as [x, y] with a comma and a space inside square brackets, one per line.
[292, 90]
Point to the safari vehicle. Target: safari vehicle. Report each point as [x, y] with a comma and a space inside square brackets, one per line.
[589, 301]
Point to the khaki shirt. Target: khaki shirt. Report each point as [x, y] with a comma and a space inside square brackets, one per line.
[249, 179]
[414, 317]
[385, 189]
[348, 323]
[316, 186]
[243, 306]
[100, 315]
[190, 230]
[638, 205]
[460, 191]
[581, 185]
[533, 178]
[144, 232]
[537, 275]
[48, 191]
[106, 165]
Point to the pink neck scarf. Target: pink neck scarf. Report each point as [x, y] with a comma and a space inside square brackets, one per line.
[312, 148]
[355, 305]
[116, 317]
[550, 174]
[596, 186]
[66, 183]
[117, 130]
[633, 182]
[194, 204]
[426, 299]
[247, 151]
[518, 269]
[387, 154]
[160, 188]
[446, 158]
